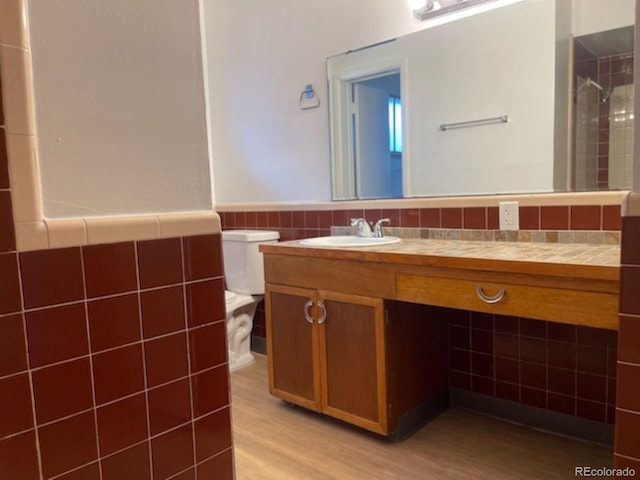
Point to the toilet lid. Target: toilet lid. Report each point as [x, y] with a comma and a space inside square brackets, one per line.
[229, 296]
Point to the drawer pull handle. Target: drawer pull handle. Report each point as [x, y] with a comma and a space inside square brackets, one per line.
[323, 317]
[308, 317]
[487, 299]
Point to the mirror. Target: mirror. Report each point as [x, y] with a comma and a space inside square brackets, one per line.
[491, 103]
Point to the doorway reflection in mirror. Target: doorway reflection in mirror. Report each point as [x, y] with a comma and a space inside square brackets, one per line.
[377, 136]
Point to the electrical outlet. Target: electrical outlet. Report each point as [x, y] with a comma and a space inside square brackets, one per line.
[509, 216]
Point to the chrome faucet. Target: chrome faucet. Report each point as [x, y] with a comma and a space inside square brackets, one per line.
[377, 229]
[363, 228]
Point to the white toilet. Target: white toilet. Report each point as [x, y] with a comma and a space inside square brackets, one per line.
[244, 275]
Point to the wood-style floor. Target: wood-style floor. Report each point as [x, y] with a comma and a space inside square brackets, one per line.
[275, 441]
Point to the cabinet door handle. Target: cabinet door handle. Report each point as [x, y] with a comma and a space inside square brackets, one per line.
[323, 317]
[487, 299]
[308, 317]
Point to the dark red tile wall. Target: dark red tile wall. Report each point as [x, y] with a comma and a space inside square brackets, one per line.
[559, 367]
[627, 436]
[294, 225]
[113, 358]
[122, 348]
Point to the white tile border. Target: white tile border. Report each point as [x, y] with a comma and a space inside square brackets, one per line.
[181, 224]
[32, 236]
[12, 15]
[33, 231]
[24, 177]
[121, 229]
[66, 233]
[17, 79]
[631, 205]
[73, 232]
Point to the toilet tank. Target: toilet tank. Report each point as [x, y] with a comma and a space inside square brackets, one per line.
[243, 263]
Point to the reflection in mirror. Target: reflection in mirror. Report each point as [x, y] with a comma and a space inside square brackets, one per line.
[377, 136]
[603, 106]
[537, 62]
[450, 74]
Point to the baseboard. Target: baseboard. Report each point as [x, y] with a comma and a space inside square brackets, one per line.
[539, 418]
[258, 344]
[413, 420]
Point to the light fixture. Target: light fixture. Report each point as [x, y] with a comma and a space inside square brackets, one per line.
[424, 9]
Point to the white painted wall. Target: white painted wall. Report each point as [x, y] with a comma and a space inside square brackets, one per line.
[120, 106]
[591, 16]
[260, 56]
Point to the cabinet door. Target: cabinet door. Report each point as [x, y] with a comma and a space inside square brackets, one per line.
[352, 349]
[292, 345]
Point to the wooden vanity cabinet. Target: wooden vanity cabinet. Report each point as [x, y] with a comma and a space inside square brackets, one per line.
[376, 354]
[326, 352]
[292, 346]
[378, 364]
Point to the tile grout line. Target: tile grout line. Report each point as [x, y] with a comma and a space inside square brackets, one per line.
[626, 410]
[630, 364]
[29, 370]
[75, 469]
[607, 381]
[625, 456]
[546, 364]
[17, 434]
[493, 349]
[109, 350]
[89, 348]
[189, 366]
[230, 448]
[107, 297]
[120, 450]
[144, 358]
[142, 442]
[575, 377]
[66, 417]
[519, 360]
[176, 475]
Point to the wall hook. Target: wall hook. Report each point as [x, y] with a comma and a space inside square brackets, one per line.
[308, 98]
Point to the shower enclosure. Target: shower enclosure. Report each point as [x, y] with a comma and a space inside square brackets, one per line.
[603, 110]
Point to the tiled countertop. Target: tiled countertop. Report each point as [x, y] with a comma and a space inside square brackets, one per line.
[581, 254]
[581, 260]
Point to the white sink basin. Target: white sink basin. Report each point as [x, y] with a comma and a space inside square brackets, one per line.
[337, 241]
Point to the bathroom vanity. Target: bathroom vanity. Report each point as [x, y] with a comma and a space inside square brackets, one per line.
[360, 334]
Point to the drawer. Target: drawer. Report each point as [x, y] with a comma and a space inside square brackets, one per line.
[577, 307]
